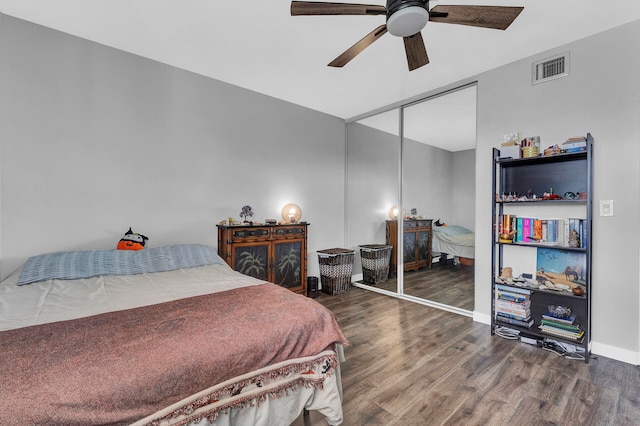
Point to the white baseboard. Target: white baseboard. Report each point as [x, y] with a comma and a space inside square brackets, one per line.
[613, 352]
[483, 318]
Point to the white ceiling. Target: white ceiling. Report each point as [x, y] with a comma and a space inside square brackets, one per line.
[257, 45]
[447, 121]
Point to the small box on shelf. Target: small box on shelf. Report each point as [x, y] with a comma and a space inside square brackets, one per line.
[510, 151]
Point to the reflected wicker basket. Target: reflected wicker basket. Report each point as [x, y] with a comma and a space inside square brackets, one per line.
[375, 263]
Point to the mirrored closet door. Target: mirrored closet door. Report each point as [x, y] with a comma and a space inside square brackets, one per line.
[428, 147]
[372, 186]
[438, 188]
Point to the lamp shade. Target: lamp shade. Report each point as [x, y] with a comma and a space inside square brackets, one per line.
[407, 21]
[291, 213]
[393, 213]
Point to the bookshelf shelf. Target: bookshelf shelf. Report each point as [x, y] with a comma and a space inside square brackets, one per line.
[554, 305]
[565, 248]
[555, 293]
[529, 202]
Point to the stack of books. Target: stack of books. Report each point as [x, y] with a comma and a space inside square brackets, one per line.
[513, 306]
[575, 144]
[561, 327]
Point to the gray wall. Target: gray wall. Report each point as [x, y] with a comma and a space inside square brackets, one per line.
[600, 96]
[371, 186]
[427, 180]
[94, 140]
[463, 189]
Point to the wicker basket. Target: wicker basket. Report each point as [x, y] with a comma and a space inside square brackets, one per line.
[335, 270]
[375, 263]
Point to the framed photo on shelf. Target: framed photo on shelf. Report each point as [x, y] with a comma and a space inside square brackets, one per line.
[564, 267]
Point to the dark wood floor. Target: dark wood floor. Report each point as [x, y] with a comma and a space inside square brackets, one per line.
[450, 285]
[409, 364]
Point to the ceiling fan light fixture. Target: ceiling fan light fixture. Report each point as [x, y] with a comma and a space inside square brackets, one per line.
[407, 21]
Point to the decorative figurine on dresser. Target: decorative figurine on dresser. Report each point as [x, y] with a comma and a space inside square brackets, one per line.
[271, 252]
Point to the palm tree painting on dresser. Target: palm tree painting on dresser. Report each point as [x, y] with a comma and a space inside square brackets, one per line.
[287, 273]
[252, 261]
[424, 245]
[409, 247]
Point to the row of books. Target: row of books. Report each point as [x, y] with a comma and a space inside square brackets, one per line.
[556, 232]
[513, 306]
[561, 327]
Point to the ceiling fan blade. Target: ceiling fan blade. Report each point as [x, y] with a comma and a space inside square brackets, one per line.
[354, 50]
[497, 17]
[325, 8]
[416, 51]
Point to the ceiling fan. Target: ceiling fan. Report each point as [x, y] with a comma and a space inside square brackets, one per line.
[406, 18]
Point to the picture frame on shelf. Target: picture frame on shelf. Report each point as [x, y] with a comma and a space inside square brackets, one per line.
[565, 269]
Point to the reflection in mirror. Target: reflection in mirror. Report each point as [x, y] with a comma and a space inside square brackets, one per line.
[372, 187]
[438, 175]
[424, 152]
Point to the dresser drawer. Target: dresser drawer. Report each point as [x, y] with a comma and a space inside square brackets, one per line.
[290, 231]
[249, 234]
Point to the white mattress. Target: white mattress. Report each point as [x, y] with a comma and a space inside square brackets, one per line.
[57, 300]
[456, 245]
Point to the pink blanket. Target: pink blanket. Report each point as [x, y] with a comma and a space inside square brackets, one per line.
[118, 367]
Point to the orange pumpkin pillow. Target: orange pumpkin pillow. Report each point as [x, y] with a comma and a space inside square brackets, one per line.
[132, 241]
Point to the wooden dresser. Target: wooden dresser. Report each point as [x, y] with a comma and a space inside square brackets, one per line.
[275, 253]
[416, 237]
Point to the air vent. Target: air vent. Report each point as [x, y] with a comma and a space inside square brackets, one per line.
[550, 68]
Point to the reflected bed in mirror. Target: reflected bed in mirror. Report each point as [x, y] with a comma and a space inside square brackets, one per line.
[454, 241]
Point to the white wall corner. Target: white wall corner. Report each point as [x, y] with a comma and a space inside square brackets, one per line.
[480, 317]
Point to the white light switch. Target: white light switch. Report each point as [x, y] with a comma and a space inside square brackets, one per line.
[606, 207]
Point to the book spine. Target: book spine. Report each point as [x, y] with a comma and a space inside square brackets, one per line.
[512, 316]
[514, 321]
[560, 320]
[504, 288]
[517, 304]
[560, 232]
[519, 229]
[574, 327]
[561, 333]
[537, 229]
[526, 230]
[521, 316]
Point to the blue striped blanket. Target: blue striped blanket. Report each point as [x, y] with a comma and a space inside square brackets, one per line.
[71, 265]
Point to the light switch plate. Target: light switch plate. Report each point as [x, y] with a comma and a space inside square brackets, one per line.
[606, 207]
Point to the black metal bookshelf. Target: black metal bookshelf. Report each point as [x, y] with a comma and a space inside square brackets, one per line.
[560, 174]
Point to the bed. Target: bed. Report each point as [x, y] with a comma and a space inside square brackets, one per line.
[454, 240]
[161, 336]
